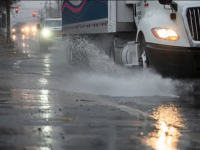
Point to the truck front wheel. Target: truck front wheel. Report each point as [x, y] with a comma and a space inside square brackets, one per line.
[143, 59]
[112, 52]
[70, 58]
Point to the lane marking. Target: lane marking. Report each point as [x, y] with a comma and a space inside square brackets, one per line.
[17, 64]
[134, 112]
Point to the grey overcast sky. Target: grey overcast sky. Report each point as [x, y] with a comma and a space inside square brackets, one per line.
[25, 11]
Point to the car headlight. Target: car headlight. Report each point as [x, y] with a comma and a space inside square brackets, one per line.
[22, 30]
[46, 32]
[13, 30]
[27, 29]
[165, 34]
[33, 29]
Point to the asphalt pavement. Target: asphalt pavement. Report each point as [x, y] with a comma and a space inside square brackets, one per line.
[46, 104]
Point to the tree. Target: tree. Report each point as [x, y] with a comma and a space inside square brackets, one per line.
[6, 5]
[11, 3]
[41, 16]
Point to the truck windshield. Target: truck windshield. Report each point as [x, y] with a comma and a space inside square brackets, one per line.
[53, 23]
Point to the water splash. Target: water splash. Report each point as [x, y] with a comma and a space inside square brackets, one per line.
[106, 78]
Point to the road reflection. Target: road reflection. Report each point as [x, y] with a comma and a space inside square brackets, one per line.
[23, 37]
[170, 114]
[35, 100]
[14, 37]
[25, 43]
[44, 100]
[46, 61]
[166, 135]
[37, 148]
[34, 36]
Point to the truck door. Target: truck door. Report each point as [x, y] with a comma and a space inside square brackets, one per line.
[139, 11]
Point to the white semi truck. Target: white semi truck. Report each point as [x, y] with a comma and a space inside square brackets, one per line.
[162, 34]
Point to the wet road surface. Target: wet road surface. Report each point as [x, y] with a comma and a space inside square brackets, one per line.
[46, 104]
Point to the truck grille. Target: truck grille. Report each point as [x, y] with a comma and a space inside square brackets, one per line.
[193, 18]
[56, 33]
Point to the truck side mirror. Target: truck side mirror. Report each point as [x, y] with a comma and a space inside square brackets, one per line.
[165, 2]
[38, 26]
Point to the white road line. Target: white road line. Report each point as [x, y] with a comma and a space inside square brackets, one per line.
[33, 56]
[17, 64]
[134, 112]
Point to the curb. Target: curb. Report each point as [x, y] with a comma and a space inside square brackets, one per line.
[138, 113]
[133, 112]
[11, 52]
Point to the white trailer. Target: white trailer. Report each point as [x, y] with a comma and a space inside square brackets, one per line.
[163, 34]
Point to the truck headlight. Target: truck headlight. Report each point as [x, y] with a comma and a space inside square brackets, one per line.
[46, 33]
[165, 34]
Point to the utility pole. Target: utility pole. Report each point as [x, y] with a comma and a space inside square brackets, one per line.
[8, 21]
[59, 8]
[46, 10]
[50, 8]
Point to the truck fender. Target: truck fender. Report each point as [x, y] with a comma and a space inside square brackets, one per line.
[151, 20]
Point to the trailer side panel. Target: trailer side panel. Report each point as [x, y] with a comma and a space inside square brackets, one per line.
[85, 11]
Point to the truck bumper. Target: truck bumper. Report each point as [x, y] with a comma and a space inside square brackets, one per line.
[176, 61]
[52, 42]
[47, 43]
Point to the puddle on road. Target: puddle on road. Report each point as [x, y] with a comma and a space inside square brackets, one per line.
[26, 44]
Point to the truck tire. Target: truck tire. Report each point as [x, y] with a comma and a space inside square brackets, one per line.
[112, 52]
[77, 58]
[115, 52]
[70, 58]
[143, 59]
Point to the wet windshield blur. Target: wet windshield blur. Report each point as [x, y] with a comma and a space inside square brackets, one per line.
[54, 23]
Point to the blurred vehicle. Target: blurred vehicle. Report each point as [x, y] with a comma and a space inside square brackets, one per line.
[33, 29]
[29, 29]
[18, 28]
[50, 32]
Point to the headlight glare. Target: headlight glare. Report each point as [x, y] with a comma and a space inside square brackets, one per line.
[165, 34]
[13, 30]
[46, 32]
[27, 29]
[33, 29]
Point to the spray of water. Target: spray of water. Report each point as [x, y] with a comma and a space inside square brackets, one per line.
[106, 78]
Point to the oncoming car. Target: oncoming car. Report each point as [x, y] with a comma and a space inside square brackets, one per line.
[50, 32]
[18, 28]
[29, 29]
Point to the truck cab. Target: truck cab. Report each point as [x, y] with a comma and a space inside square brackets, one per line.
[50, 32]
